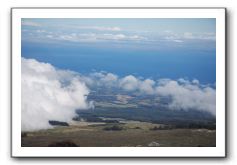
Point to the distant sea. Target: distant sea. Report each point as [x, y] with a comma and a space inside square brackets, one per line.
[173, 64]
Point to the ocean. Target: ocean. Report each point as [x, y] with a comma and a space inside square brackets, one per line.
[147, 63]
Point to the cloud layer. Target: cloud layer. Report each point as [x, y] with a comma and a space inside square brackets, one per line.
[84, 37]
[52, 94]
[49, 94]
[184, 94]
[99, 28]
[46, 31]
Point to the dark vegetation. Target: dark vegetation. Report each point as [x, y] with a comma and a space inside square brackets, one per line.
[163, 127]
[171, 119]
[137, 128]
[23, 134]
[208, 125]
[113, 128]
[89, 117]
[58, 123]
[111, 121]
[63, 144]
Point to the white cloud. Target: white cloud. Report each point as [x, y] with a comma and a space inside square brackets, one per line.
[195, 81]
[40, 31]
[189, 96]
[49, 94]
[181, 37]
[188, 35]
[184, 94]
[100, 28]
[28, 23]
[83, 37]
[147, 86]
[93, 37]
[101, 79]
[109, 78]
[120, 37]
[129, 83]
[181, 81]
[200, 36]
[178, 41]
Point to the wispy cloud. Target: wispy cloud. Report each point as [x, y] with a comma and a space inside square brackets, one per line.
[84, 37]
[181, 37]
[30, 23]
[93, 37]
[99, 28]
[200, 36]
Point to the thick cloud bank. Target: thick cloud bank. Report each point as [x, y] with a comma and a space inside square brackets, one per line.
[49, 94]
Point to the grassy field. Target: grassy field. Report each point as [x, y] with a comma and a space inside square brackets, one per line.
[130, 133]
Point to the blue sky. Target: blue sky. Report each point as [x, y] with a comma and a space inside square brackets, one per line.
[157, 48]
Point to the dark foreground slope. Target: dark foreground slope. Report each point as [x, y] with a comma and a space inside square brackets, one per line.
[126, 133]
